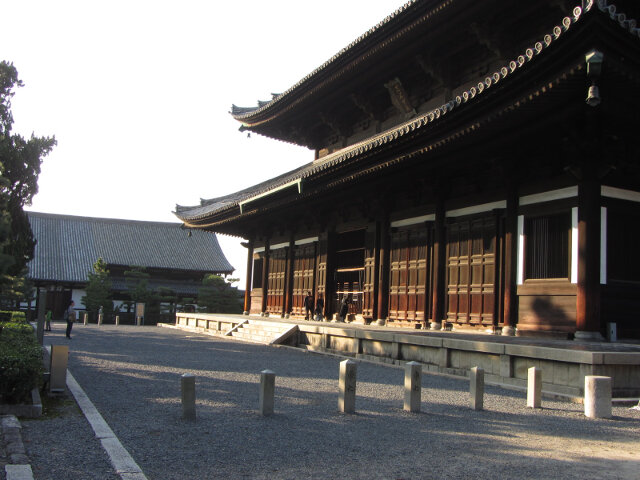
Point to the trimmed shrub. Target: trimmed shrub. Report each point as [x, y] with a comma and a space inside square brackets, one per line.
[10, 316]
[20, 362]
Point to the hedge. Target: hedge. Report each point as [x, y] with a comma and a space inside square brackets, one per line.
[21, 366]
[10, 316]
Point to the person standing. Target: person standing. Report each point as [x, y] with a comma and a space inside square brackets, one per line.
[308, 307]
[70, 314]
[344, 307]
[47, 321]
[319, 308]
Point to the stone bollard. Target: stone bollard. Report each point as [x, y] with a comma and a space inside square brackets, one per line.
[99, 319]
[476, 387]
[534, 388]
[412, 387]
[117, 320]
[188, 387]
[58, 369]
[85, 318]
[267, 392]
[597, 396]
[347, 385]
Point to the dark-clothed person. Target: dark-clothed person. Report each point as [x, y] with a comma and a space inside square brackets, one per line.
[319, 309]
[70, 315]
[308, 306]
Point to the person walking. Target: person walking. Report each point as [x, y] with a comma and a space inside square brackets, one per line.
[47, 321]
[70, 315]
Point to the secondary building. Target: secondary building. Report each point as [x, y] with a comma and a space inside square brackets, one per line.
[68, 246]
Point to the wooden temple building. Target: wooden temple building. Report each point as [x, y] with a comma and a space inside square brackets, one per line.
[477, 165]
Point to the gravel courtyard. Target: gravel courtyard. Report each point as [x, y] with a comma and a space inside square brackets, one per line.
[132, 375]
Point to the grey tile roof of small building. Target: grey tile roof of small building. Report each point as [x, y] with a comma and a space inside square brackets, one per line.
[68, 246]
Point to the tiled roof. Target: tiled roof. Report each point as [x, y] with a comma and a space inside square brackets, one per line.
[240, 113]
[422, 121]
[68, 246]
[246, 113]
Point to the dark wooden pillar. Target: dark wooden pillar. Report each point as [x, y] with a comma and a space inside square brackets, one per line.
[330, 274]
[510, 309]
[588, 295]
[265, 276]
[383, 269]
[439, 264]
[288, 281]
[247, 290]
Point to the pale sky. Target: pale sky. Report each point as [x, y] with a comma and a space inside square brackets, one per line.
[137, 94]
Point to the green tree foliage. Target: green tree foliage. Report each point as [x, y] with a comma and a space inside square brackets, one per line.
[98, 289]
[217, 296]
[20, 161]
[137, 281]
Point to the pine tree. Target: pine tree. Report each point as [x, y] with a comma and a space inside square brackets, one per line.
[98, 289]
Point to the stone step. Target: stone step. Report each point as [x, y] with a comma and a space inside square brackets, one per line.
[249, 337]
[266, 325]
[254, 334]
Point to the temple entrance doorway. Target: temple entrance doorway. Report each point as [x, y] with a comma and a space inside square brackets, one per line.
[349, 271]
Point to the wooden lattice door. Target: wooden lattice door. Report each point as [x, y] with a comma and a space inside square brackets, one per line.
[409, 274]
[276, 281]
[303, 275]
[471, 262]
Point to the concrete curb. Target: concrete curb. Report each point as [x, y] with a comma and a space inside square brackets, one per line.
[121, 460]
[124, 465]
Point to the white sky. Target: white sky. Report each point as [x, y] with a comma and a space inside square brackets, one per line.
[137, 94]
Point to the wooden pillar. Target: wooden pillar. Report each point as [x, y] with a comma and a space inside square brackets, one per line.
[288, 291]
[510, 310]
[383, 269]
[588, 297]
[330, 273]
[247, 290]
[439, 264]
[265, 276]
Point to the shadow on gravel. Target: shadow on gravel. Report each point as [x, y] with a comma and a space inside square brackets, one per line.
[134, 380]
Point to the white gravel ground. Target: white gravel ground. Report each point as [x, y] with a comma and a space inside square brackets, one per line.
[132, 375]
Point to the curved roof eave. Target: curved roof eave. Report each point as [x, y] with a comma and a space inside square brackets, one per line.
[248, 116]
[197, 213]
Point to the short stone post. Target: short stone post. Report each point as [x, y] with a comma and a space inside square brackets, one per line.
[267, 392]
[188, 387]
[117, 320]
[347, 385]
[534, 388]
[85, 318]
[612, 332]
[476, 387]
[412, 387]
[100, 319]
[597, 396]
[58, 369]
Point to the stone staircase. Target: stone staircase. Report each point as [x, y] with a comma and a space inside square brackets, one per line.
[265, 332]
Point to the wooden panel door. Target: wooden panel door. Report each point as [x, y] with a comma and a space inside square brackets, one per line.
[304, 267]
[276, 281]
[409, 274]
[370, 279]
[471, 271]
